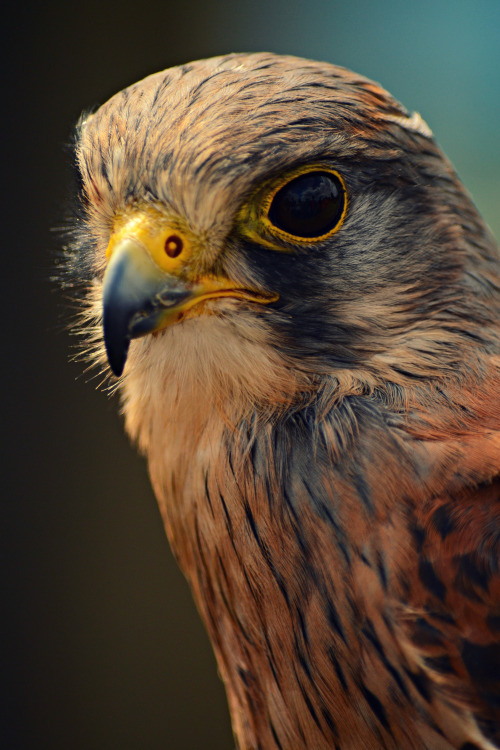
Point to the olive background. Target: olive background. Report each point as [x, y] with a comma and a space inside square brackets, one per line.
[102, 646]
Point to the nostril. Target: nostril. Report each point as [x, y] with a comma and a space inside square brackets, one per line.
[173, 246]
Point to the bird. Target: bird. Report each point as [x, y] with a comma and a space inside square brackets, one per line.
[299, 304]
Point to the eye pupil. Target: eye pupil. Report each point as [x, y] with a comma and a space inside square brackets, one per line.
[308, 206]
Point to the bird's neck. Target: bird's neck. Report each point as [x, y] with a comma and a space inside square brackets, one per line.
[295, 535]
[285, 559]
[272, 589]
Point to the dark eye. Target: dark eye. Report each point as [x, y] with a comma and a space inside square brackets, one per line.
[310, 205]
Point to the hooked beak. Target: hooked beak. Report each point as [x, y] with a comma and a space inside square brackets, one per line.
[145, 290]
[137, 298]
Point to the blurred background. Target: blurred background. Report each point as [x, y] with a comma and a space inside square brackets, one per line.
[103, 648]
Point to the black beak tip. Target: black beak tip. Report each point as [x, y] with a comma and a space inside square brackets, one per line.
[135, 295]
[117, 343]
[117, 358]
[117, 355]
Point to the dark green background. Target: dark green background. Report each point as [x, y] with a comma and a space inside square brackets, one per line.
[103, 646]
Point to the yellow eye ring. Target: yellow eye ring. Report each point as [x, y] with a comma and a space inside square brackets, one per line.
[306, 206]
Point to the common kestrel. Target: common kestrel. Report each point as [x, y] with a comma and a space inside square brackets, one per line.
[305, 305]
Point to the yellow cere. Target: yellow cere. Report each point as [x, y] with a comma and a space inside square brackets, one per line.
[168, 246]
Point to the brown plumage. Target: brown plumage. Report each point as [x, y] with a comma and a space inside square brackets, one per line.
[314, 304]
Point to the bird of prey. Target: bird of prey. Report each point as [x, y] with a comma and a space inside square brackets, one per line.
[301, 306]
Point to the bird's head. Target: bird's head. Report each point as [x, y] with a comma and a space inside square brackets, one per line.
[271, 220]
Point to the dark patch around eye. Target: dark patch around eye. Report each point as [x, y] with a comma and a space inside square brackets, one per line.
[309, 206]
